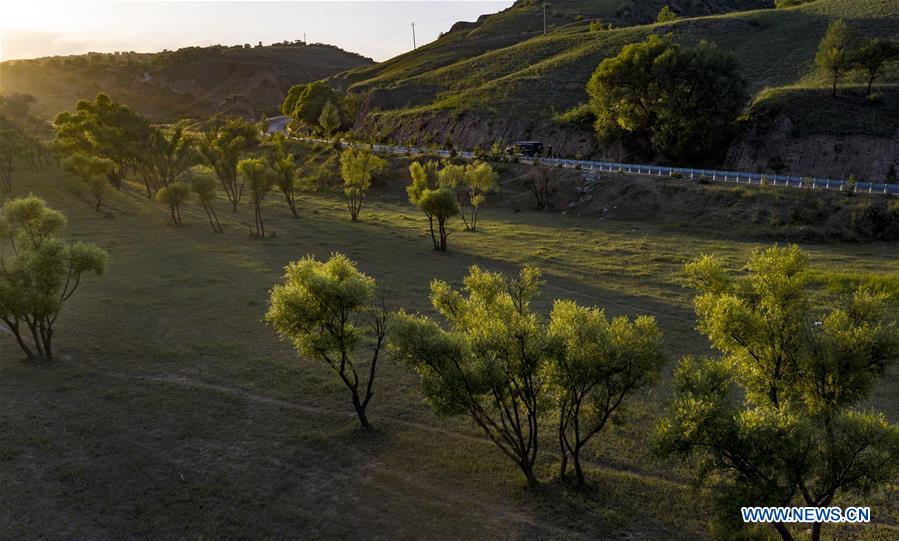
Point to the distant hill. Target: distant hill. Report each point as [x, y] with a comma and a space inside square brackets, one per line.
[501, 78]
[194, 81]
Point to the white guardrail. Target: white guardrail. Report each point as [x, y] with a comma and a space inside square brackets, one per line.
[712, 175]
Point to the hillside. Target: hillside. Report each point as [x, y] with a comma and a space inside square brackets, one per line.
[516, 91]
[243, 80]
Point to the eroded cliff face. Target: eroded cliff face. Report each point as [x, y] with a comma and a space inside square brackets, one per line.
[469, 131]
[766, 148]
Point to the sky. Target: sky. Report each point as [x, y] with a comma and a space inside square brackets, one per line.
[377, 29]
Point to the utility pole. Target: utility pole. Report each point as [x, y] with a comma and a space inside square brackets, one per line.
[304, 39]
[413, 36]
[544, 18]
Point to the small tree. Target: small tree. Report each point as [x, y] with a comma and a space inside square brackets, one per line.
[204, 187]
[259, 179]
[327, 310]
[330, 120]
[538, 178]
[666, 15]
[39, 271]
[165, 159]
[12, 145]
[432, 192]
[286, 175]
[595, 366]
[777, 417]
[222, 149]
[173, 195]
[88, 172]
[834, 57]
[489, 363]
[873, 56]
[480, 180]
[357, 167]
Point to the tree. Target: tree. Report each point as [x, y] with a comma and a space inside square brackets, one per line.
[39, 272]
[89, 172]
[104, 129]
[538, 178]
[166, 159]
[480, 180]
[595, 366]
[777, 416]
[489, 363]
[223, 148]
[305, 103]
[432, 191]
[666, 15]
[873, 55]
[328, 311]
[259, 178]
[357, 167]
[659, 97]
[329, 120]
[287, 178]
[204, 187]
[173, 195]
[12, 144]
[834, 56]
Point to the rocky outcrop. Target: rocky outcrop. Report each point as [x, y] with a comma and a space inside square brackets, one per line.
[776, 147]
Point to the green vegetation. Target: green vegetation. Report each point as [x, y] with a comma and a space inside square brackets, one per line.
[244, 422]
[666, 15]
[433, 191]
[204, 186]
[259, 178]
[189, 82]
[314, 106]
[42, 272]
[89, 172]
[778, 414]
[173, 195]
[223, 148]
[659, 97]
[873, 56]
[834, 57]
[327, 310]
[595, 365]
[357, 167]
[22, 138]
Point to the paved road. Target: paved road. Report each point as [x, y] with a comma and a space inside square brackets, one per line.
[712, 175]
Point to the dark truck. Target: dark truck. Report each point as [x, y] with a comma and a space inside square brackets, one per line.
[525, 148]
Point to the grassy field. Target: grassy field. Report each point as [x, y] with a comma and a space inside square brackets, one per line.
[174, 412]
[537, 76]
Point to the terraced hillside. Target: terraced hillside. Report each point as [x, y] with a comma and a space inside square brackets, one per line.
[519, 90]
[241, 80]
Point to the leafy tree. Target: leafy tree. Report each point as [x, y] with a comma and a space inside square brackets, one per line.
[834, 57]
[173, 195]
[659, 97]
[12, 145]
[259, 178]
[39, 271]
[89, 172]
[328, 311]
[489, 363]
[223, 148]
[104, 129]
[357, 167]
[480, 179]
[305, 103]
[287, 176]
[330, 120]
[777, 416]
[432, 191]
[873, 55]
[666, 15]
[204, 187]
[595, 366]
[167, 158]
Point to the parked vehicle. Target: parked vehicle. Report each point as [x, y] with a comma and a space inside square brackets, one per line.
[525, 148]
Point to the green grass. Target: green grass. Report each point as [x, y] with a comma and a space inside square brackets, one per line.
[536, 75]
[174, 412]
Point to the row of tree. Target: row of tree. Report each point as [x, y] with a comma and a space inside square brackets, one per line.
[842, 50]
[775, 416]
[22, 137]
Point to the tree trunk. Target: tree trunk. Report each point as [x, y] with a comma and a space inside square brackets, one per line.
[783, 531]
[17, 332]
[431, 229]
[528, 469]
[563, 466]
[834, 90]
[292, 204]
[441, 223]
[360, 411]
[578, 470]
[870, 83]
[816, 531]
